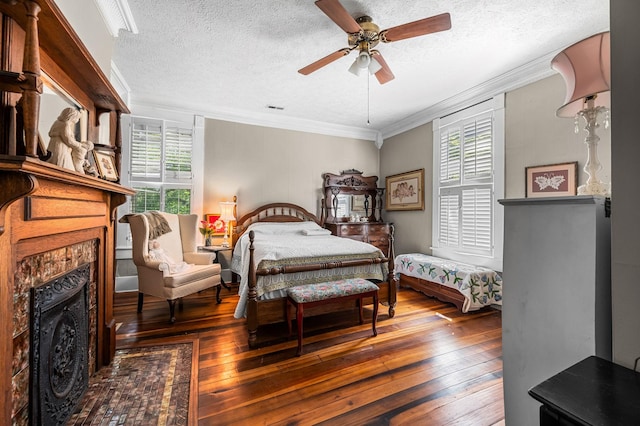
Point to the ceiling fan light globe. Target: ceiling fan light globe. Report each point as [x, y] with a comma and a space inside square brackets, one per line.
[374, 66]
[363, 60]
[355, 68]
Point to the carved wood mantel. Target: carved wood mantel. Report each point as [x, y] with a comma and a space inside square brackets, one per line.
[44, 208]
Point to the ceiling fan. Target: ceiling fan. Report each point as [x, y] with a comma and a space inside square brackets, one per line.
[363, 34]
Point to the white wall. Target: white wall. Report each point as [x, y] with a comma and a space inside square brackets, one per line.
[87, 22]
[264, 165]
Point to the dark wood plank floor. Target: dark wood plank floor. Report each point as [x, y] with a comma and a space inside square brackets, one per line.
[429, 365]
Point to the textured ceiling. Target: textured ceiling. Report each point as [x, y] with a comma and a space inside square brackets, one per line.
[235, 58]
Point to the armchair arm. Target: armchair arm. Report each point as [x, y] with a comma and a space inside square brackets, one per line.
[157, 265]
[199, 258]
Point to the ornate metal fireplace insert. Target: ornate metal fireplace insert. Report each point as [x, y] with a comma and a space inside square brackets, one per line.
[59, 352]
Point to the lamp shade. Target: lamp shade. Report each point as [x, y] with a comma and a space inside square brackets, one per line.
[586, 69]
[226, 211]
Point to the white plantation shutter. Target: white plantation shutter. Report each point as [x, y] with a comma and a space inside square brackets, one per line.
[177, 150]
[476, 219]
[450, 155]
[449, 219]
[478, 142]
[146, 151]
[465, 217]
[160, 168]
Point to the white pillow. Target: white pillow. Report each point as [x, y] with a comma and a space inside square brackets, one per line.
[282, 228]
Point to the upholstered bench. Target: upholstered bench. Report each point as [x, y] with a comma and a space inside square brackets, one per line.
[330, 292]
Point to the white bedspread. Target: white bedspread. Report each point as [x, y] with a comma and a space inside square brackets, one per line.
[479, 286]
[294, 242]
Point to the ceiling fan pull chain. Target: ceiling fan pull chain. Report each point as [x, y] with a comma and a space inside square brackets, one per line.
[368, 103]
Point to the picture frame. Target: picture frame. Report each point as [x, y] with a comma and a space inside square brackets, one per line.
[405, 191]
[357, 202]
[551, 180]
[219, 224]
[106, 165]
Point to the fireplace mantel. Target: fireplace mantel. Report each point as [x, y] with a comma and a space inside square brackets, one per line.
[51, 219]
[46, 210]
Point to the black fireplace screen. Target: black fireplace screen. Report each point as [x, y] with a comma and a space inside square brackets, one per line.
[59, 352]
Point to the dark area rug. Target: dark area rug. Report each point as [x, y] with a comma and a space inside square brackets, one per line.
[142, 386]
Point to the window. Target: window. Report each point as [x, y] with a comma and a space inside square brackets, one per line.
[160, 166]
[468, 160]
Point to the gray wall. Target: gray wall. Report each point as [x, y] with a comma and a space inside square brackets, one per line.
[625, 57]
[408, 151]
[556, 307]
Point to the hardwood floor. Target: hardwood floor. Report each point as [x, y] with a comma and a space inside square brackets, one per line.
[429, 365]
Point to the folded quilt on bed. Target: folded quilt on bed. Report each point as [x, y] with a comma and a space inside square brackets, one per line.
[479, 286]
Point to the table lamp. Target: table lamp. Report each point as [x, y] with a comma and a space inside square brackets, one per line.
[586, 69]
[226, 215]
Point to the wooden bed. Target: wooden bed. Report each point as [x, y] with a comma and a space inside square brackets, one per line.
[467, 286]
[433, 289]
[262, 312]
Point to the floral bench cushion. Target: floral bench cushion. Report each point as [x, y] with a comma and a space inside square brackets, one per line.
[330, 290]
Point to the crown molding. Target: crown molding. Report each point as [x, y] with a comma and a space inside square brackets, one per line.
[526, 74]
[273, 120]
[120, 84]
[117, 15]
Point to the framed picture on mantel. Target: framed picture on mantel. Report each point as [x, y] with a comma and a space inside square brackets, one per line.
[552, 180]
[405, 191]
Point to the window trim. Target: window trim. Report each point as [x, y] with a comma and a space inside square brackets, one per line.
[196, 122]
[494, 261]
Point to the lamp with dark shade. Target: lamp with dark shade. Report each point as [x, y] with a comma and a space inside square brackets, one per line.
[586, 69]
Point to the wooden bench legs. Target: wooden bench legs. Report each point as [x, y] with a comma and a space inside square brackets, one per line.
[301, 306]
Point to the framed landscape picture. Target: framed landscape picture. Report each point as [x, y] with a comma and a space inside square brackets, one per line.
[552, 180]
[405, 191]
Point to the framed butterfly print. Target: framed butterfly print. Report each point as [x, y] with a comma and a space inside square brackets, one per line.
[552, 180]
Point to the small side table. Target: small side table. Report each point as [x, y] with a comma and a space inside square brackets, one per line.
[592, 392]
[216, 250]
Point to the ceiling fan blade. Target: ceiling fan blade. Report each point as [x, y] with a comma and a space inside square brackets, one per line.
[338, 14]
[384, 75]
[324, 61]
[430, 25]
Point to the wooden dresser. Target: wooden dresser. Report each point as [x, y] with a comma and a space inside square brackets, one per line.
[352, 208]
[378, 234]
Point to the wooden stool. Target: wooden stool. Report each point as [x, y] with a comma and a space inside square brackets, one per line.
[330, 292]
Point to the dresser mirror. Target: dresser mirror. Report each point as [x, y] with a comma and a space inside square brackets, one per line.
[350, 197]
[348, 205]
[52, 101]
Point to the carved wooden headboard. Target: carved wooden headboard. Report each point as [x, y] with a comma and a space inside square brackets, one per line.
[274, 212]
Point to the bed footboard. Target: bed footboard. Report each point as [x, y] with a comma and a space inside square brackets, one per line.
[262, 312]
